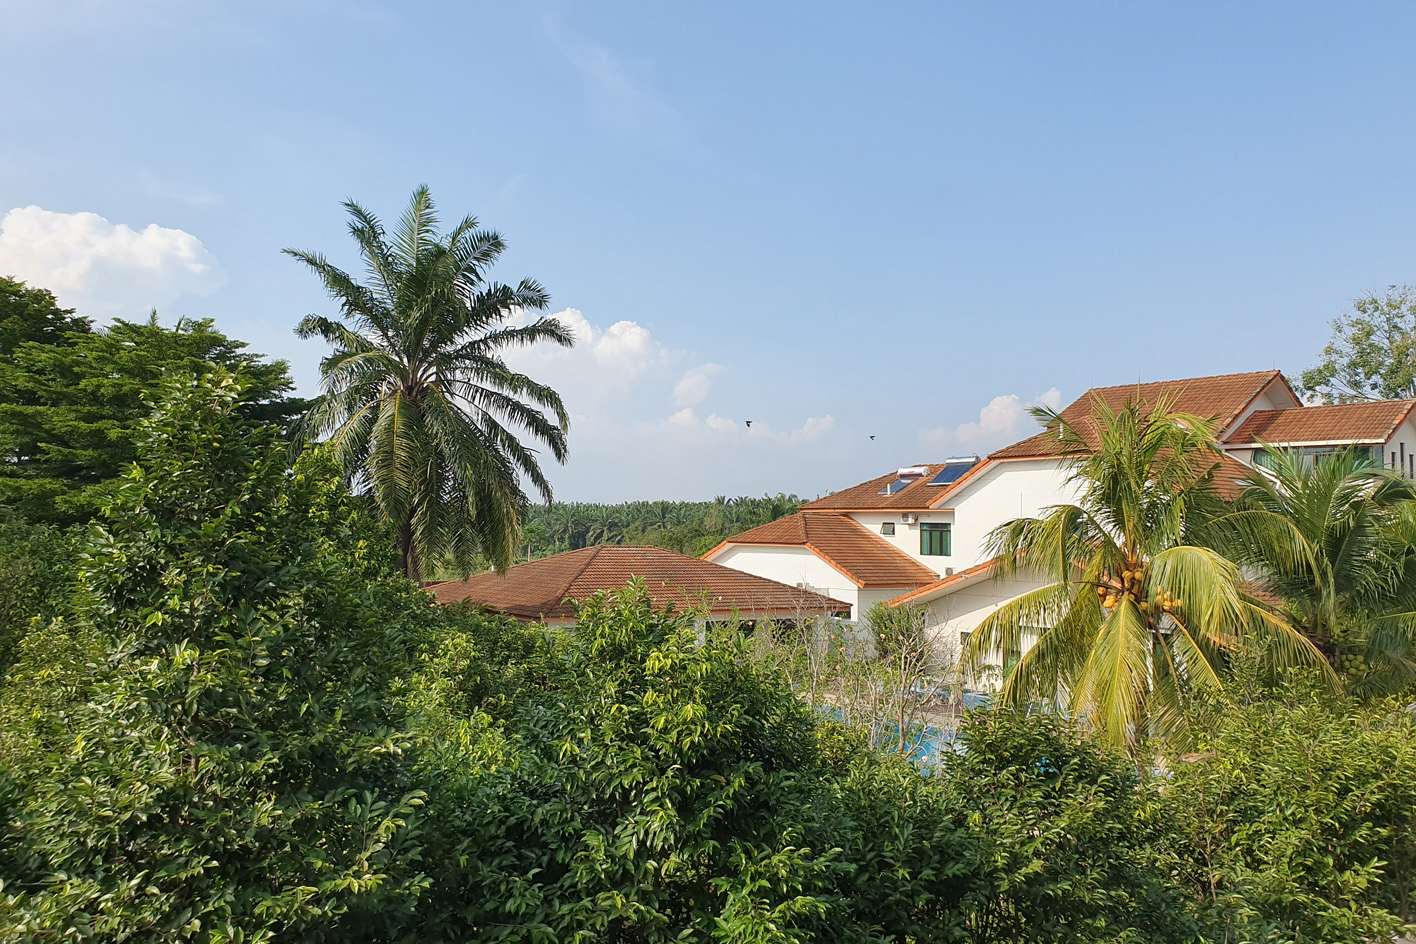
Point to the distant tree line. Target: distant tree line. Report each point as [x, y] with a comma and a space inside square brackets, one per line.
[689, 527]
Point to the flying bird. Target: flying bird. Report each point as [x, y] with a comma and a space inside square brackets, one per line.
[749, 423]
[872, 438]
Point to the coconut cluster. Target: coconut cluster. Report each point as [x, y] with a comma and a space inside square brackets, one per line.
[1131, 584]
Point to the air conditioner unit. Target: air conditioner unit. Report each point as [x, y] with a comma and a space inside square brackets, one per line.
[909, 518]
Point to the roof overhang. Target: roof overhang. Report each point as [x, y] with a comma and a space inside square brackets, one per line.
[1305, 444]
[946, 585]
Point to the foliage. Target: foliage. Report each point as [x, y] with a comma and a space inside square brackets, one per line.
[33, 314]
[1065, 829]
[36, 566]
[1297, 821]
[1372, 354]
[665, 790]
[205, 748]
[1333, 540]
[416, 398]
[1135, 618]
[692, 528]
[74, 401]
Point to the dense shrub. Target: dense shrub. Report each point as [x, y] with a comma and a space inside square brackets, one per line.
[664, 789]
[1297, 821]
[1064, 827]
[36, 567]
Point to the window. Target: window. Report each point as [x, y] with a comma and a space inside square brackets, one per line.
[887, 527]
[934, 539]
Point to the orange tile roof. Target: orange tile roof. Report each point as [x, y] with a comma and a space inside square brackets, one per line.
[919, 495]
[944, 583]
[1230, 477]
[1373, 422]
[842, 542]
[537, 590]
[1224, 396]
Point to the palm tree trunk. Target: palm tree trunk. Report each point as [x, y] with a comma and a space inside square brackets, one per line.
[405, 550]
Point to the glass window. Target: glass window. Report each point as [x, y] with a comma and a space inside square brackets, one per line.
[934, 539]
[887, 528]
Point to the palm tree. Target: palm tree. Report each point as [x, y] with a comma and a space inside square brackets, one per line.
[1133, 618]
[416, 400]
[1331, 539]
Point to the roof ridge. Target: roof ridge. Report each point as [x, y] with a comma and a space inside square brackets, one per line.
[1150, 383]
[578, 572]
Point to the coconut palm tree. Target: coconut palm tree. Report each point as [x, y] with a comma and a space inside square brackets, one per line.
[1133, 619]
[1332, 539]
[416, 399]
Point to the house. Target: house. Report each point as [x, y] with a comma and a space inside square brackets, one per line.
[928, 524]
[541, 590]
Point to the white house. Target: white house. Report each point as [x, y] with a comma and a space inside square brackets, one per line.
[918, 535]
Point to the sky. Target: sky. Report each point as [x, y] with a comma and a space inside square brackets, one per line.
[836, 221]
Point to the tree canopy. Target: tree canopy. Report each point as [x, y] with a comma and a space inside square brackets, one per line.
[76, 397]
[1372, 354]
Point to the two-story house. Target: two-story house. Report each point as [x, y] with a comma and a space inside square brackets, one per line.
[918, 535]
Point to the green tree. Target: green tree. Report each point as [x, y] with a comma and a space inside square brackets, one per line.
[1372, 354]
[74, 400]
[416, 398]
[32, 314]
[1134, 616]
[207, 748]
[1333, 540]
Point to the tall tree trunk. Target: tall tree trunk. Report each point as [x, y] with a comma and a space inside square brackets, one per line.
[405, 551]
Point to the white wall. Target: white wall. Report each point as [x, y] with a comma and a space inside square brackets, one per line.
[1403, 443]
[1017, 489]
[962, 610]
[793, 566]
[906, 536]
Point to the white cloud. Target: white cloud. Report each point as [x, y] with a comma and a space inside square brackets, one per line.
[722, 430]
[603, 363]
[1003, 420]
[718, 423]
[814, 429]
[104, 268]
[694, 385]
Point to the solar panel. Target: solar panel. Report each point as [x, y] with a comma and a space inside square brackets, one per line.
[953, 471]
[895, 486]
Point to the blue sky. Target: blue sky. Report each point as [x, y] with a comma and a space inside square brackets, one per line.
[837, 221]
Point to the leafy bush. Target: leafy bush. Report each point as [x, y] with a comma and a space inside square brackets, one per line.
[36, 566]
[665, 789]
[1064, 827]
[1297, 822]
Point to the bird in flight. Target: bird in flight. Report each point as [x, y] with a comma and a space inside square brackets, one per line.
[872, 439]
[749, 423]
